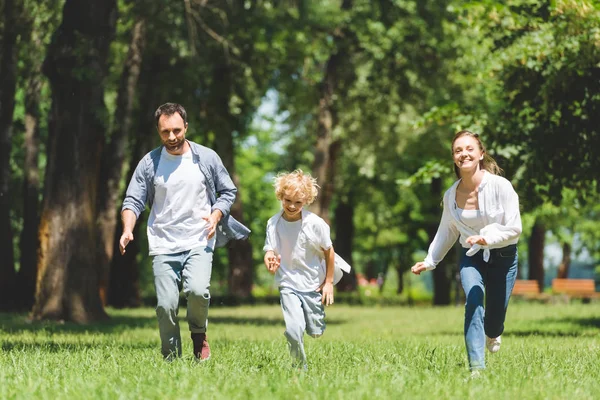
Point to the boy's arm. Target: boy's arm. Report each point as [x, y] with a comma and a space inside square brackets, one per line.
[327, 287]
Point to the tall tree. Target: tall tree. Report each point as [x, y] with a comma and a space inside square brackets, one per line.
[76, 65]
[8, 67]
[114, 154]
[326, 148]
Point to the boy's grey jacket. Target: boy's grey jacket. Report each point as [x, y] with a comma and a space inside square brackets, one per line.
[309, 220]
[141, 189]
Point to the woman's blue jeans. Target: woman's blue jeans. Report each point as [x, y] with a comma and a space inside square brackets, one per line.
[491, 282]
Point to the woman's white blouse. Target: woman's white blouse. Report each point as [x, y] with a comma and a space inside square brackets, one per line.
[499, 207]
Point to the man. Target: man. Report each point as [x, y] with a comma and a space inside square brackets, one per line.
[190, 194]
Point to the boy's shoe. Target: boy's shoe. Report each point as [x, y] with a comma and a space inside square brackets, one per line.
[201, 347]
[493, 344]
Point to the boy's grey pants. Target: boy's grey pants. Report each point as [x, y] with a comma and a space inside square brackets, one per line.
[188, 269]
[301, 311]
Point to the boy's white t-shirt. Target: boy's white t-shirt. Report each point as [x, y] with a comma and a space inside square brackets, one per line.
[300, 258]
[175, 223]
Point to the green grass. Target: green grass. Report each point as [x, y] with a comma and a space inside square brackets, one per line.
[548, 352]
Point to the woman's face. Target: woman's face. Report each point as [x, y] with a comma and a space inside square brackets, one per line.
[467, 154]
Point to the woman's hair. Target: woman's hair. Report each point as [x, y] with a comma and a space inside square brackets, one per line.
[296, 183]
[487, 163]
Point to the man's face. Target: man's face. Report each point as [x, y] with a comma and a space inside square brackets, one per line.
[171, 129]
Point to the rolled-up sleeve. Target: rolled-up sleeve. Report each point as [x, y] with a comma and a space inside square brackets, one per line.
[137, 191]
[444, 239]
[226, 190]
[511, 228]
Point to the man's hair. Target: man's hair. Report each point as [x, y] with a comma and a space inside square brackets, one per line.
[296, 183]
[169, 109]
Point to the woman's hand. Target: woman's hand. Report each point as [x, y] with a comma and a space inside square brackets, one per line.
[418, 268]
[476, 239]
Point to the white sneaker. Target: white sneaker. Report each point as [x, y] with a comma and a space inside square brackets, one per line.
[475, 374]
[493, 344]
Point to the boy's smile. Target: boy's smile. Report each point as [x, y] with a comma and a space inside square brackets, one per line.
[292, 207]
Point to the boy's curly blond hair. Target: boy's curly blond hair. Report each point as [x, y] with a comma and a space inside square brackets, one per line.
[296, 183]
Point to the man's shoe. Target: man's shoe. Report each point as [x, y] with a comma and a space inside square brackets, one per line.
[493, 344]
[201, 347]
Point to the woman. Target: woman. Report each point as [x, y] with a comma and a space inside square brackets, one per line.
[482, 210]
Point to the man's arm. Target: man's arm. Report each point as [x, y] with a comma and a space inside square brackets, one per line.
[224, 186]
[128, 217]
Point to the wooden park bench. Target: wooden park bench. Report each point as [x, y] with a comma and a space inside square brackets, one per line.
[576, 288]
[526, 288]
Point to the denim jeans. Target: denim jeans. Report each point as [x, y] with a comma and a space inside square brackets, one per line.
[301, 311]
[493, 280]
[188, 269]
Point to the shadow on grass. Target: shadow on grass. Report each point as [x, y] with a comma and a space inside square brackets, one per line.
[16, 323]
[260, 321]
[49, 346]
[573, 328]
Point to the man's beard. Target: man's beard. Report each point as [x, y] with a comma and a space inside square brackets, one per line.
[174, 146]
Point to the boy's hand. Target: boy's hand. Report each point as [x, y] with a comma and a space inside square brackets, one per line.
[272, 261]
[418, 268]
[326, 290]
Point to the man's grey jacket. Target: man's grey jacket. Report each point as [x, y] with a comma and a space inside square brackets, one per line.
[220, 189]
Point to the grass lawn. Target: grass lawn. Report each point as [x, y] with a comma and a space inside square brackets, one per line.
[548, 352]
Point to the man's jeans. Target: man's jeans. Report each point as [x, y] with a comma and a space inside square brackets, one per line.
[191, 270]
[493, 280]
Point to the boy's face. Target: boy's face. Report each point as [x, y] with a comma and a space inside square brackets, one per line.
[292, 206]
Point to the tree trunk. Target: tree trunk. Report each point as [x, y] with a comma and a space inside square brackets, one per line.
[441, 279]
[344, 239]
[123, 289]
[68, 274]
[326, 123]
[241, 265]
[113, 158]
[536, 252]
[8, 67]
[31, 189]
[325, 156]
[563, 268]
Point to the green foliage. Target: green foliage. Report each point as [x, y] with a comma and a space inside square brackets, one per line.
[536, 68]
[369, 352]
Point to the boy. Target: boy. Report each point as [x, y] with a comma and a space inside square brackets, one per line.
[298, 250]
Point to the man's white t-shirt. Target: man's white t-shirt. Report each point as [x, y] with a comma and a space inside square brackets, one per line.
[301, 260]
[175, 223]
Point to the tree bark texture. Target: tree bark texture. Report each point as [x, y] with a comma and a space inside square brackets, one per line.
[8, 67]
[114, 156]
[29, 242]
[326, 122]
[76, 65]
[536, 252]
